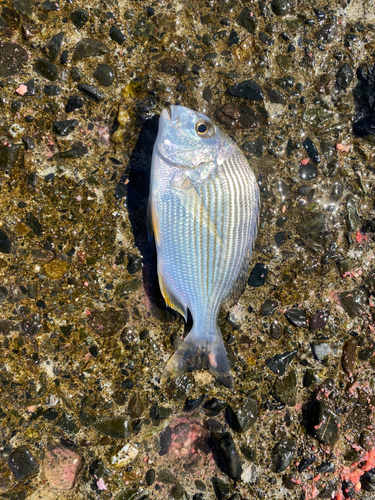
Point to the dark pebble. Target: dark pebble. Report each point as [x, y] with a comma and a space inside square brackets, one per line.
[117, 35]
[134, 263]
[325, 467]
[104, 74]
[89, 47]
[74, 102]
[284, 453]
[150, 477]
[65, 127]
[49, 177]
[344, 76]
[34, 224]
[286, 389]
[310, 378]
[195, 69]
[64, 57]
[50, 414]
[320, 14]
[305, 463]
[221, 489]
[13, 57]
[327, 33]
[46, 69]
[77, 150]
[207, 94]
[280, 7]
[311, 150]
[296, 317]
[210, 56]
[233, 39]
[268, 307]
[3, 294]
[319, 320]
[52, 90]
[247, 20]
[31, 326]
[258, 275]
[278, 363]
[291, 48]
[308, 172]
[276, 330]
[228, 454]
[280, 222]
[323, 423]
[236, 117]
[159, 412]
[116, 427]
[276, 96]
[280, 238]
[214, 406]
[255, 147]
[247, 89]
[50, 6]
[266, 39]
[79, 18]
[54, 46]
[171, 66]
[286, 82]
[22, 463]
[352, 217]
[167, 477]
[242, 416]
[41, 304]
[9, 156]
[349, 355]
[91, 92]
[76, 74]
[354, 302]
[93, 350]
[4, 242]
[193, 404]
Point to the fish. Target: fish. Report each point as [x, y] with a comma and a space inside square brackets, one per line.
[203, 212]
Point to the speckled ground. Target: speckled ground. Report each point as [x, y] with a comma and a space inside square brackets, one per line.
[84, 334]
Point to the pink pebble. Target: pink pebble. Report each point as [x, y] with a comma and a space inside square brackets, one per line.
[22, 89]
[61, 468]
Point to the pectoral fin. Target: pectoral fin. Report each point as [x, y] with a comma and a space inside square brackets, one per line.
[171, 300]
[152, 221]
[194, 205]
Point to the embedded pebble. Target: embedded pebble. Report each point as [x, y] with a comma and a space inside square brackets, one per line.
[284, 453]
[237, 117]
[13, 58]
[278, 363]
[104, 74]
[22, 463]
[296, 317]
[248, 89]
[344, 76]
[91, 92]
[65, 127]
[79, 18]
[319, 320]
[46, 69]
[268, 307]
[321, 351]
[242, 416]
[349, 355]
[89, 47]
[61, 467]
[227, 450]
[258, 275]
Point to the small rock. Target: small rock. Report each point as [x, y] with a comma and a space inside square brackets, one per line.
[266, 39]
[171, 66]
[255, 147]
[325, 84]
[107, 323]
[77, 150]
[308, 172]
[54, 46]
[65, 127]
[117, 35]
[13, 58]
[46, 69]
[311, 150]
[327, 33]
[349, 355]
[286, 389]
[258, 275]
[278, 363]
[55, 269]
[321, 351]
[74, 102]
[228, 454]
[22, 463]
[91, 92]
[207, 94]
[319, 320]
[214, 406]
[365, 128]
[268, 307]
[241, 417]
[276, 96]
[4, 242]
[317, 116]
[310, 378]
[52, 90]
[79, 18]
[344, 76]
[280, 238]
[324, 424]
[305, 463]
[325, 467]
[89, 47]
[221, 489]
[296, 317]
[248, 89]
[61, 467]
[116, 427]
[150, 477]
[233, 39]
[236, 117]
[104, 74]
[247, 20]
[354, 302]
[275, 330]
[284, 452]
[280, 7]
[167, 477]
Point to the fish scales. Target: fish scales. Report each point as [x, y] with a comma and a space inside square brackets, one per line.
[203, 209]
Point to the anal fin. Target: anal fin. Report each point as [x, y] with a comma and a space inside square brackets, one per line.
[171, 300]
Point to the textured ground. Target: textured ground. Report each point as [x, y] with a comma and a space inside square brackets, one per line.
[84, 334]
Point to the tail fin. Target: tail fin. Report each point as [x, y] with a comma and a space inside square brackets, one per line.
[200, 353]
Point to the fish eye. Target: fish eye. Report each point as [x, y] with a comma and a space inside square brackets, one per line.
[204, 129]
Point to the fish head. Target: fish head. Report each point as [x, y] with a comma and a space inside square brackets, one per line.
[188, 139]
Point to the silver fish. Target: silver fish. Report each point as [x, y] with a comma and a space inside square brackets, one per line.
[203, 212]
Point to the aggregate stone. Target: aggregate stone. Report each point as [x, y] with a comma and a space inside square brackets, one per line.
[214, 406]
[311, 150]
[308, 172]
[296, 317]
[9, 156]
[280, 7]
[117, 35]
[79, 18]
[284, 454]
[13, 58]
[61, 467]
[228, 454]
[115, 427]
[104, 74]
[278, 363]
[65, 127]
[77, 150]
[354, 302]
[344, 76]
[22, 463]
[349, 355]
[173, 66]
[52, 90]
[221, 489]
[242, 416]
[234, 38]
[74, 102]
[317, 116]
[247, 20]
[150, 477]
[24, 7]
[286, 388]
[255, 147]
[323, 422]
[276, 330]
[106, 323]
[319, 320]
[321, 351]
[276, 96]
[54, 46]
[46, 69]
[247, 89]
[267, 40]
[236, 117]
[305, 463]
[258, 275]
[327, 33]
[268, 307]
[89, 47]
[91, 92]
